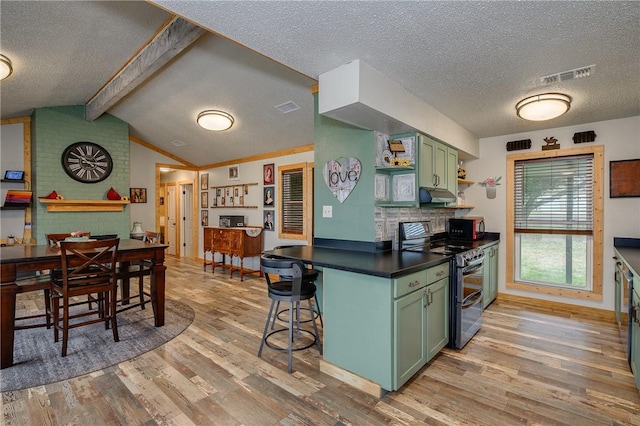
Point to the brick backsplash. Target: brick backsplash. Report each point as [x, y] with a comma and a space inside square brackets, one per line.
[387, 220]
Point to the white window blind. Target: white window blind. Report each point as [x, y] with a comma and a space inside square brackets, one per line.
[293, 201]
[554, 195]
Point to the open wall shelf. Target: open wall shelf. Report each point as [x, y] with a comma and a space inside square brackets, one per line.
[84, 205]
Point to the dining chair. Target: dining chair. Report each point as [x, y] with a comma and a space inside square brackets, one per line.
[140, 269]
[53, 240]
[291, 288]
[88, 267]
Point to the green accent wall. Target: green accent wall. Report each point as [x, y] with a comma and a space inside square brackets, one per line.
[354, 218]
[55, 128]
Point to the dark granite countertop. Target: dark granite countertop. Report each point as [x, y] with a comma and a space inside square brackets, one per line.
[629, 250]
[387, 264]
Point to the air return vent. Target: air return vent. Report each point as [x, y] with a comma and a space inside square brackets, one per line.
[287, 107]
[178, 143]
[568, 75]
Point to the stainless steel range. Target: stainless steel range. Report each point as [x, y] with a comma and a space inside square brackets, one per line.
[467, 277]
[466, 293]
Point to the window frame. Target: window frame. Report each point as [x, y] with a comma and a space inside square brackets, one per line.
[598, 215]
[307, 205]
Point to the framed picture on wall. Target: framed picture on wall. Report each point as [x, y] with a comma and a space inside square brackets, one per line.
[269, 196]
[138, 195]
[204, 200]
[204, 181]
[267, 174]
[204, 217]
[624, 176]
[269, 220]
[234, 172]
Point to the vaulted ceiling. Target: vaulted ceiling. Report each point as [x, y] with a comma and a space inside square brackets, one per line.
[472, 61]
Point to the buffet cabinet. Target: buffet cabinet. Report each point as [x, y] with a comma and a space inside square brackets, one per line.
[232, 243]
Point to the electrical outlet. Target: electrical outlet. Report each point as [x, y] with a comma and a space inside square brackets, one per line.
[327, 211]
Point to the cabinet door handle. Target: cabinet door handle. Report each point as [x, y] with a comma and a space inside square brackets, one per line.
[440, 273]
[414, 284]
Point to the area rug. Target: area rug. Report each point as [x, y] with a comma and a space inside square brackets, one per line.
[90, 348]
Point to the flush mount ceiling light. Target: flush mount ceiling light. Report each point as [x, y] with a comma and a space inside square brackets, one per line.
[5, 67]
[215, 120]
[543, 107]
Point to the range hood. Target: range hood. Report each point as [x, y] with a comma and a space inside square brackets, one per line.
[436, 196]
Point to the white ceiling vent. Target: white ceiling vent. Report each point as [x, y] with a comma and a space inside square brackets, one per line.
[178, 143]
[568, 75]
[287, 107]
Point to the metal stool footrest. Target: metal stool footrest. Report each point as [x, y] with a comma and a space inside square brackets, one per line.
[293, 348]
[285, 319]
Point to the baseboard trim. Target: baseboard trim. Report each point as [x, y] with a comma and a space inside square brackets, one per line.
[570, 310]
[365, 385]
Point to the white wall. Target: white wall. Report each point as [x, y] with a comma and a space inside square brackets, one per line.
[251, 172]
[621, 140]
[143, 174]
[11, 158]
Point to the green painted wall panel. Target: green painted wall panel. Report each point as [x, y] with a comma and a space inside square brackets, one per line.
[354, 218]
[55, 128]
[358, 310]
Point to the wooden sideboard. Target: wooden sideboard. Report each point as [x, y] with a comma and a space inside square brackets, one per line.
[233, 242]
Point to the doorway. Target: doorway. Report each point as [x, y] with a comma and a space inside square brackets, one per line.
[171, 238]
[186, 220]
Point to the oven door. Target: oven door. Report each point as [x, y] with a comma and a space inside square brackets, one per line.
[469, 302]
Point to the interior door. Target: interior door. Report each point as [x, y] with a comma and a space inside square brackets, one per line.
[171, 220]
[186, 230]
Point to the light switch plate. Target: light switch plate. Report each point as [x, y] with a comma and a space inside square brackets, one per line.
[327, 211]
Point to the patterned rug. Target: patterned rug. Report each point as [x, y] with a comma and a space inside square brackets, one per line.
[90, 348]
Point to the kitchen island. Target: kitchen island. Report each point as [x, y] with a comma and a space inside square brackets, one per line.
[385, 313]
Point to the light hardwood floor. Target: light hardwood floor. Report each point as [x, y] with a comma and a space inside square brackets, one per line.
[527, 366]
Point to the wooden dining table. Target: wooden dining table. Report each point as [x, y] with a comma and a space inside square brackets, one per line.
[19, 259]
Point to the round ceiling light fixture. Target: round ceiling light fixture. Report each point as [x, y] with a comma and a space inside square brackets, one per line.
[215, 120]
[6, 69]
[543, 107]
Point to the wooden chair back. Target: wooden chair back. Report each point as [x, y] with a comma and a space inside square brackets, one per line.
[151, 237]
[91, 263]
[52, 239]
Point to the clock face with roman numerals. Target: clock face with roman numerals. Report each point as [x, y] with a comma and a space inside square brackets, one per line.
[87, 162]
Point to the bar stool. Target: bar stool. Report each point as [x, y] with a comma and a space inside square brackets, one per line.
[292, 289]
[308, 275]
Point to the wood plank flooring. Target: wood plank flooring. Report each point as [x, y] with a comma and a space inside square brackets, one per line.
[527, 366]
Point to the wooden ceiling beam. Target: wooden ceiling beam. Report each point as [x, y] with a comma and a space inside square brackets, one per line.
[174, 37]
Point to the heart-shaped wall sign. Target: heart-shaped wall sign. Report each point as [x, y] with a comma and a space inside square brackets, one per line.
[341, 178]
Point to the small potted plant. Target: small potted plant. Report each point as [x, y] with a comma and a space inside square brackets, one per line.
[490, 184]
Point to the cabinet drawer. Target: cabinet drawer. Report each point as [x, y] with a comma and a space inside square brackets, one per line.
[409, 283]
[437, 272]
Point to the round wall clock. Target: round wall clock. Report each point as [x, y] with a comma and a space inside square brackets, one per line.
[87, 162]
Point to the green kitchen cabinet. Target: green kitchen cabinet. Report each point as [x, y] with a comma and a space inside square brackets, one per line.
[490, 275]
[452, 170]
[385, 330]
[438, 165]
[421, 323]
[410, 318]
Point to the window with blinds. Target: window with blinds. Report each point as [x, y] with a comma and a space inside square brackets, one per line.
[554, 195]
[292, 196]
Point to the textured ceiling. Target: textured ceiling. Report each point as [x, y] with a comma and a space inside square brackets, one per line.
[472, 61]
